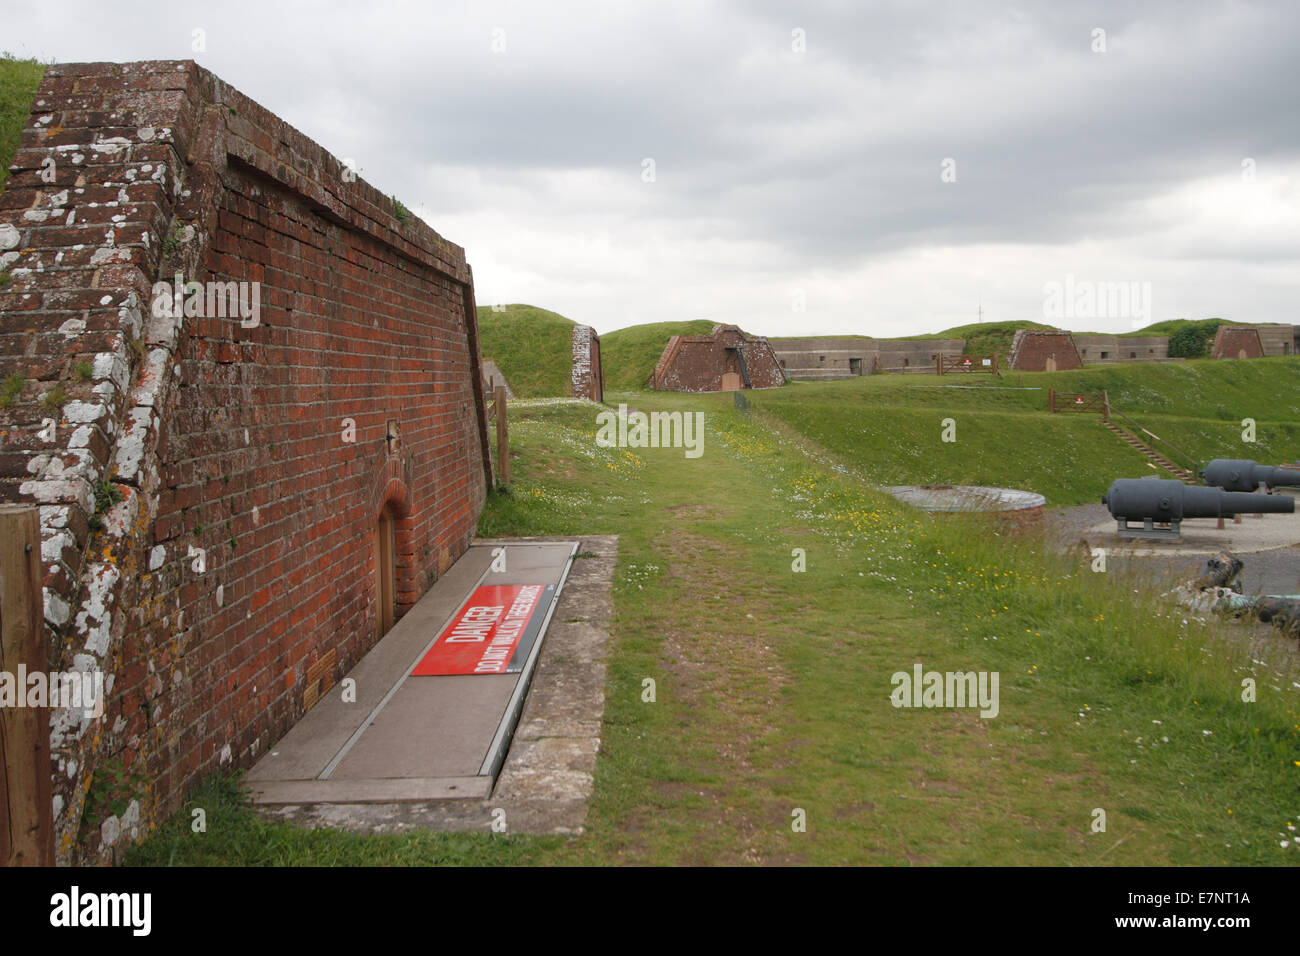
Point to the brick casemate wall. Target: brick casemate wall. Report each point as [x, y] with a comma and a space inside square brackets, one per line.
[224, 574]
[696, 363]
[1031, 348]
[830, 358]
[916, 353]
[1235, 342]
[1147, 348]
[1276, 339]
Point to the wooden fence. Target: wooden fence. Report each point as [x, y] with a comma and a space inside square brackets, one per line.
[26, 811]
[1096, 403]
[497, 410]
[947, 364]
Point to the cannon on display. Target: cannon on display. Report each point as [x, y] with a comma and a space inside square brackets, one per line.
[1242, 474]
[1156, 501]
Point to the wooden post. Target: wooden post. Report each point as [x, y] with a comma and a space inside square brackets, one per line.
[27, 833]
[938, 363]
[1051, 400]
[1105, 404]
[503, 438]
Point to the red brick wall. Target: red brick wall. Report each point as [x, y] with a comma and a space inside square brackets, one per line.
[696, 363]
[218, 436]
[1230, 342]
[1030, 350]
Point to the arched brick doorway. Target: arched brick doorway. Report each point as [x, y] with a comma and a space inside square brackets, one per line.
[392, 560]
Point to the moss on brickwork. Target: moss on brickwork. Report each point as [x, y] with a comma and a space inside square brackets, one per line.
[172, 494]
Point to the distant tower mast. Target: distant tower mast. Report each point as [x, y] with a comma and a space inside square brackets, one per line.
[981, 311]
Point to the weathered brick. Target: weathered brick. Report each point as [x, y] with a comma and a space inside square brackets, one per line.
[237, 448]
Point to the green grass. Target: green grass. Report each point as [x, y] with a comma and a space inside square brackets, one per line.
[11, 389]
[235, 836]
[773, 686]
[985, 338]
[982, 338]
[532, 347]
[891, 425]
[629, 355]
[18, 82]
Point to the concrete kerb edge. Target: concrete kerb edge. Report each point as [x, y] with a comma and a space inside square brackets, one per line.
[539, 788]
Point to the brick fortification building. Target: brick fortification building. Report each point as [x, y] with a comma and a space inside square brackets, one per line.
[726, 359]
[235, 502]
[1036, 350]
[835, 357]
[1098, 349]
[1254, 341]
[587, 378]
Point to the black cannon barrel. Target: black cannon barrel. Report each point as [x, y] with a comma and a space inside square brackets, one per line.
[1169, 500]
[1242, 474]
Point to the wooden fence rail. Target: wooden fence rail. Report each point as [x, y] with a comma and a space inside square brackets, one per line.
[498, 410]
[1097, 403]
[946, 364]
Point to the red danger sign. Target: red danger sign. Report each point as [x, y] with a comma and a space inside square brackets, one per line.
[492, 634]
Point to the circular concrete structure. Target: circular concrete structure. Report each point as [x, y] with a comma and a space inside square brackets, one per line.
[1019, 507]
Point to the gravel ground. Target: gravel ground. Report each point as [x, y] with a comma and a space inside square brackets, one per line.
[1265, 572]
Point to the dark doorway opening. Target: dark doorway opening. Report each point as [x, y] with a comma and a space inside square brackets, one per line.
[385, 571]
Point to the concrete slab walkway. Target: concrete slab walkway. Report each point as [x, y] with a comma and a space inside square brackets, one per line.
[437, 751]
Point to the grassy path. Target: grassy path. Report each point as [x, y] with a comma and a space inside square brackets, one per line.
[772, 686]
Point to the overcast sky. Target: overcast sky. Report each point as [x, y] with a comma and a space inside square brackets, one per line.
[793, 168]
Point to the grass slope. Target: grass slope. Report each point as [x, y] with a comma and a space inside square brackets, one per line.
[981, 338]
[18, 82]
[532, 347]
[629, 355]
[984, 338]
[889, 427]
[773, 685]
